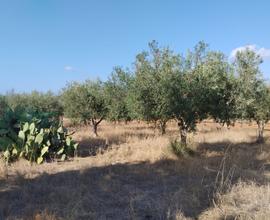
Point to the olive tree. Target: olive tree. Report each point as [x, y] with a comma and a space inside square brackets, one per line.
[45, 102]
[16, 100]
[85, 102]
[184, 92]
[151, 74]
[201, 87]
[35, 102]
[253, 100]
[219, 88]
[116, 92]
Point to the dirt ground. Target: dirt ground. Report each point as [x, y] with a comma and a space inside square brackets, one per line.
[129, 172]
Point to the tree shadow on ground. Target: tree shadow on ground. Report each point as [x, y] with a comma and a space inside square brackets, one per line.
[92, 146]
[244, 155]
[130, 191]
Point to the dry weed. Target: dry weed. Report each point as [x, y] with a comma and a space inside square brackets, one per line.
[245, 201]
[128, 172]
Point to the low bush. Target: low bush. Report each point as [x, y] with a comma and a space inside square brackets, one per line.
[180, 150]
[35, 137]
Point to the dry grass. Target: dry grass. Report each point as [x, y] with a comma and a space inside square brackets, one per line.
[244, 201]
[128, 172]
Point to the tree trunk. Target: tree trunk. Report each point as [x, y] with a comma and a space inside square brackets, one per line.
[95, 125]
[94, 129]
[162, 127]
[242, 123]
[260, 138]
[183, 133]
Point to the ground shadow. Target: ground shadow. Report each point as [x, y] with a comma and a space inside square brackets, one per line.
[126, 191]
[123, 191]
[222, 146]
[243, 155]
[92, 146]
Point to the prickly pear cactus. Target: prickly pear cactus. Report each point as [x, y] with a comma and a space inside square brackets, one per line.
[38, 144]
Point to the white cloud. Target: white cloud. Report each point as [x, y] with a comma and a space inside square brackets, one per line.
[68, 68]
[263, 52]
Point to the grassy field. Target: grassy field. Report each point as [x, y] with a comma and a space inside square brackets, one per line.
[129, 172]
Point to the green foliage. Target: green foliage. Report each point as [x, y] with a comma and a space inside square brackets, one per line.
[85, 102]
[3, 105]
[253, 96]
[36, 136]
[10, 122]
[180, 150]
[116, 92]
[185, 90]
[153, 70]
[219, 88]
[38, 144]
[163, 86]
[35, 103]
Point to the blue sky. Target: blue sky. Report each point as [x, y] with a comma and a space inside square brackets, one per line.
[44, 44]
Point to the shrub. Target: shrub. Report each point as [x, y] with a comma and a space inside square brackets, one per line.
[180, 150]
[35, 102]
[10, 126]
[85, 102]
[35, 137]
